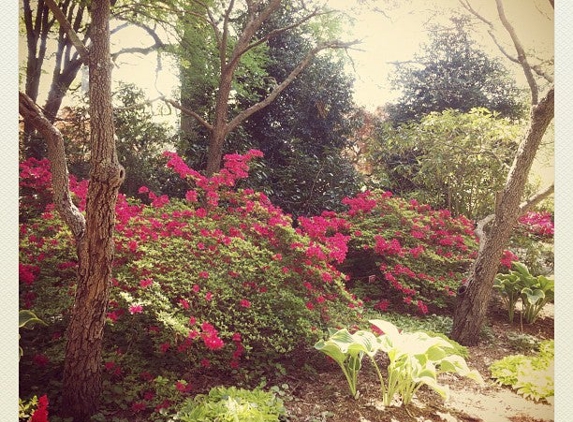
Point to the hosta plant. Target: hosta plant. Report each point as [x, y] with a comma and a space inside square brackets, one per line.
[530, 376]
[416, 359]
[348, 350]
[533, 291]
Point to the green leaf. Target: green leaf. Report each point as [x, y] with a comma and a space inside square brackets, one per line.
[532, 296]
[28, 317]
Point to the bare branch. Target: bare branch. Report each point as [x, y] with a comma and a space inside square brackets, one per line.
[521, 56]
[189, 112]
[83, 51]
[536, 199]
[279, 31]
[56, 154]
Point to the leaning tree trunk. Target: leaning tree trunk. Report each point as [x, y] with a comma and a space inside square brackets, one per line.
[82, 384]
[473, 298]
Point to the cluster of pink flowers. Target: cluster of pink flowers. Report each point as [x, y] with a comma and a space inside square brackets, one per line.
[538, 223]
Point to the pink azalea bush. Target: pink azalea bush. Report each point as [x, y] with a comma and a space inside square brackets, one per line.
[219, 280]
[400, 254]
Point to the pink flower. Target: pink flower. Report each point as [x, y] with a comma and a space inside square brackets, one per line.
[191, 196]
[143, 189]
[135, 309]
[184, 303]
[182, 386]
[204, 274]
[41, 413]
[146, 282]
[245, 303]
[138, 406]
[208, 296]
[508, 258]
[41, 360]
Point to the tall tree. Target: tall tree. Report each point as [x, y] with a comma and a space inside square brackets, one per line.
[82, 384]
[232, 49]
[453, 73]
[495, 230]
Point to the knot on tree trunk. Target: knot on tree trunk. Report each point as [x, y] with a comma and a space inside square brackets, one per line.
[111, 174]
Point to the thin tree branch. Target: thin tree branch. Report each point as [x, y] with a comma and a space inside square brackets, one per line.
[78, 44]
[536, 199]
[245, 114]
[279, 31]
[189, 112]
[521, 56]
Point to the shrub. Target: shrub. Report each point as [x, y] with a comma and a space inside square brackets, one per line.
[218, 280]
[398, 251]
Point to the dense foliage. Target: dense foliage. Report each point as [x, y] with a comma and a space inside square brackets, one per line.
[453, 73]
[221, 280]
[450, 160]
[254, 289]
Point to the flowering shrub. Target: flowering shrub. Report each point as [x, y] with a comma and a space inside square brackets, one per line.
[213, 281]
[398, 252]
[537, 223]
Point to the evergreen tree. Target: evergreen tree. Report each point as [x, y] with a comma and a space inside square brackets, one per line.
[453, 73]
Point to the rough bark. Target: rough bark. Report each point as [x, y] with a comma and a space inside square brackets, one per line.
[82, 368]
[473, 299]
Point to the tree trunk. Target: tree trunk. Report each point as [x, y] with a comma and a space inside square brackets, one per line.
[82, 369]
[473, 298]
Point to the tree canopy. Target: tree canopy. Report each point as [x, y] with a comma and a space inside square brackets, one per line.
[453, 72]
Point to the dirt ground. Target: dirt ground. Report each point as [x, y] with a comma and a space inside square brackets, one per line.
[325, 398]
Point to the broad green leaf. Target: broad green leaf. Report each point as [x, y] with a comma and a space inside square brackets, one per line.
[533, 296]
[28, 317]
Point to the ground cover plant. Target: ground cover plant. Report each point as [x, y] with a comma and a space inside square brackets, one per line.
[530, 376]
